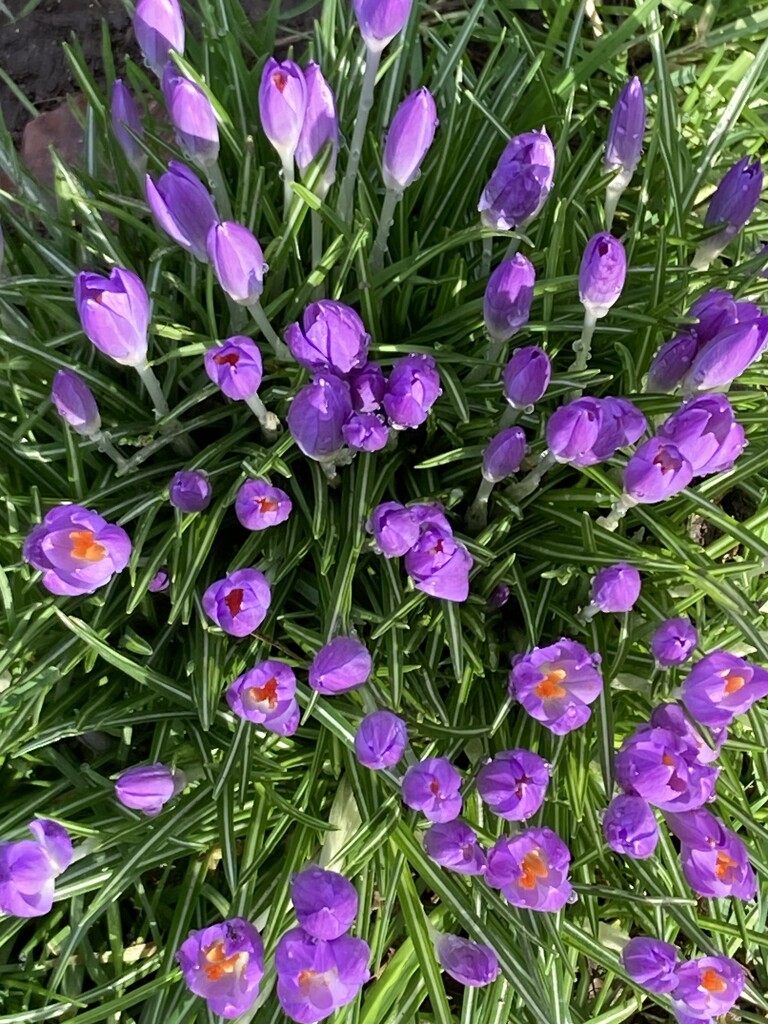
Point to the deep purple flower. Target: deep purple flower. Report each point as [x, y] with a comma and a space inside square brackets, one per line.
[625, 134]
[235, 366]
[367, 388]
[469, 963]
[148, 788]
[381, 20]
[663, 767]
[75, 403]
[76, 550]
[114, 312]
[674, 641]
[159, 28]
[531, 869]
[325, 902]
[126, 119]
[159, 582]
[555, 684]
[183, 207]
[656, 471]
[672, 362]
[224, 964]
[735, 199]
[315, 977]
[432, 787]
[621, 424]
[332, 337]
[499, 596]
[410, 135]
[713, 312]
[192, 116]
[282, 105]
[394, 527]
[320, 129]
[520, 183]
[259, 506]
[526, 376]
[721, 686]
[366, 432]
[343, 664]
[727, 356]
[239, 603]
[616, 588]
[190, 491]
[412, 390]
[430, 514]
[706, 433]
[380, 740]
[454, 845]
[317, 415]
[602, 274]
[630, 827]
[507, 300]
[265, 694]
[439, 565]
[573, 431]
[29, 868]
[503, 454]
[514, 784]
[708, 987]
[651, 963]
[672, 717]
[237, 260]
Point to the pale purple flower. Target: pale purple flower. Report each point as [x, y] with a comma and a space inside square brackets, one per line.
[439, 565]
[29, 868]
[412, 389]
[514, 784]
[265, 694]
[319, 131]
[381, 20]
[114, 312]
[125, 115]
[454, 845]
[316, 977]
[630, 827]
[708, 987]
[343, 664]
[159, 28]
[432, 787]
[616, 588]
[503, 454]
[663, 767]
[237, 260]
[469, 963]
[148, 788]
[674, 641]
[183, 207]
[239, 603]
[722, 685]
[192, 116]
[331, 337]
[235, 366]
[325, 902]
[224, 964]
[282, 105]
[317, 415]
[656, 471]
[75, 403]
[190, 490]
[602, 274]
[625, 134]
[520, 183]
[651, 963]
[259, 506]
[394, 527]
[531, 869]
[555, 684]
[410, 135]
[508, 297]
[527, 376]
[380, 740]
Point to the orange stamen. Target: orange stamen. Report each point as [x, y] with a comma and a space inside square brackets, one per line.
[724, 868]
[267, 505]
[234, 600]
[733, 682]
[229, 359]
[281, 80]
[667, 760]
[267, 692]
[549, 688]
[534, 868]
[305, 980]
[712, 981]
[218, 963]
[85, 547]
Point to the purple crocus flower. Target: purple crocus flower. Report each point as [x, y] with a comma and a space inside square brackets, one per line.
[315, 977]
[727, 356]
[343, 664]
[412, 390]
[663, 767]
[499, 596]
[555, 684]
[713, 312]
[621, 424]
[504, 454]
[705, 432]
[317, 415]
[319, 130]
[224, 964]
[183, 207]
[235, 366]
[114, 312]
[282, 105]
[630, 827]
[190, 491]
[527, 376]
[573, 431]
[332, 337]
[625, 134]
[365, 432]
[192, 116]
[674, 641]
[469, 963]
[126, 119]
[381, 20]
[237, 260]
[75, 403]
[708, 987]
[508, 297]
[616, 588]
[602, 274]
[76, 550]
[430, 514]
[367, 388]
[259, 506]
[514, 784]
[656, 471]
[531, 869]
[380, 740]
[410, 135]
[520, 183]
[454, 845]
[160, 582]
[672, 717]
[239, 603]
[265, 695]
[394, 527]
[29, 868]
[148, 788]
[325, 902]
[721, 686]
[159, 28]
[432, 787]
[651, 963]
[719, 871]
[672, 362]
[735, 200]
[439, 565]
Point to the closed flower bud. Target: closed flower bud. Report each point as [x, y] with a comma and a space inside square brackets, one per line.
[630, 827]
[148, 788]
[259, 506]
[713, 312]
[282, 104]
[319, 137]
[727, 356]
[395, 528]
[408, 140]
[367, 388]
[520, 183]
[237, 260]
[365, 432]
[192, 116]
[514, 784]
[160, 582]
[332, 337]
[325, 902]
[656, 471]
[674, 642]
[114, 312]
[317, 415]
[672, 362]
[125, 115]
[469, 963]
[705, 432]
[735, 198]
[454, 845]
[616, 588]
[504, 454]
[343, 664]
[381, 20]
[621, 424]
[508, 297]
[412, 390]
[380, 740]
[439, 565]
[190, 491]
[651, 963]
[573, 431]
[183, 207]
[527, 376]
[159, 28]
[602, 274]
[235, 366]
[625, 135]
[75, 403]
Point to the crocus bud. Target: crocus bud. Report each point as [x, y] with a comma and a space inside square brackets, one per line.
[381, 20]
[616, 588]
[526, 376]
[602, 273]
[735, 199]
[282, 105]
[259, 506]
[159, 583]
[159, 28]
[235, 366]
[656, 471]
[621, 424]
[189, 491]
[573, 430]
[75, 403]
[439, 565]
[394, 527]
[410, 135]
[343, 664]
[504, 454]
[705, 432]
[454, 845]
[727, 356]
[319, 130]
[237, 260]
[672, 362]
[367, 388]
[651, 963]
[625, 135]
[317, 415]
[333, 337]
[508, 297]
[499, 596]
[365, 432]
[380, 740]
[674, 642]
[520, 183]
[192, 115]
[148, 788]
[125, 115]
[183, 207]
[469, 963]
[713, 312]
[412, 390]
[114, 312]
[630, 827]
[514, 784]
[325, 902]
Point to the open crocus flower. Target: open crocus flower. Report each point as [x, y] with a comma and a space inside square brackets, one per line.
[651, 963]
[556, 683]
[531, 869]
[715, 861]
[29, 868]
[454, 845]
[76, 550]
[235, 366]
[721, 686]
[316, 977]
[663, 768]
[432, 787]
[224, 964]
[239, 603]
[514, 784]
[672, 717]
[325, 902]
[439, 565]
[266, 695]
[707, 987]
[259, 506]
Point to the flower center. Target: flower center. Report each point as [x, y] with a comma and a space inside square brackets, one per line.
[267, 505]
[665, 461]
[267, 692]
[549, 687]
[726, 867]
[280, 79]
[234, 600]
[533, 868]
[711, 981]
[85, 548]
[228, 359]
[315, 984]
[733, 681]
[218, 963]
[435, 787]
[668, 761]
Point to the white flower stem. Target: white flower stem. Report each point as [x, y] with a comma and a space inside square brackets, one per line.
[620, 508]
[152, 384]
[612, 196]
[583, 347]
[512, 248]
[347, 193]
[287, 182]
[281, 350]
[386, 219]
[219, 189]
[530, 482]
[477, 516]
[485, 262]
[104, 444]
[509, 417]
[268, 420]
[493, 353]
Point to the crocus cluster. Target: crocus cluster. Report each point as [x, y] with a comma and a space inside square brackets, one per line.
[30, 867]
[556, 684]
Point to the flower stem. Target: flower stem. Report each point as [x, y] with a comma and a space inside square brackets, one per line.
[530, 482]
[613, 194]
[317, 250]
[493, 353]
[512, 248]
[281, 351]
[268, 420]
[219, 189]
[104, 444]
[509, 417]
[477, 516]
[386, 219]
[287, 182]
[485, 262]
[347, 193]
[583, 347]
[152, 384]
[620, 508]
